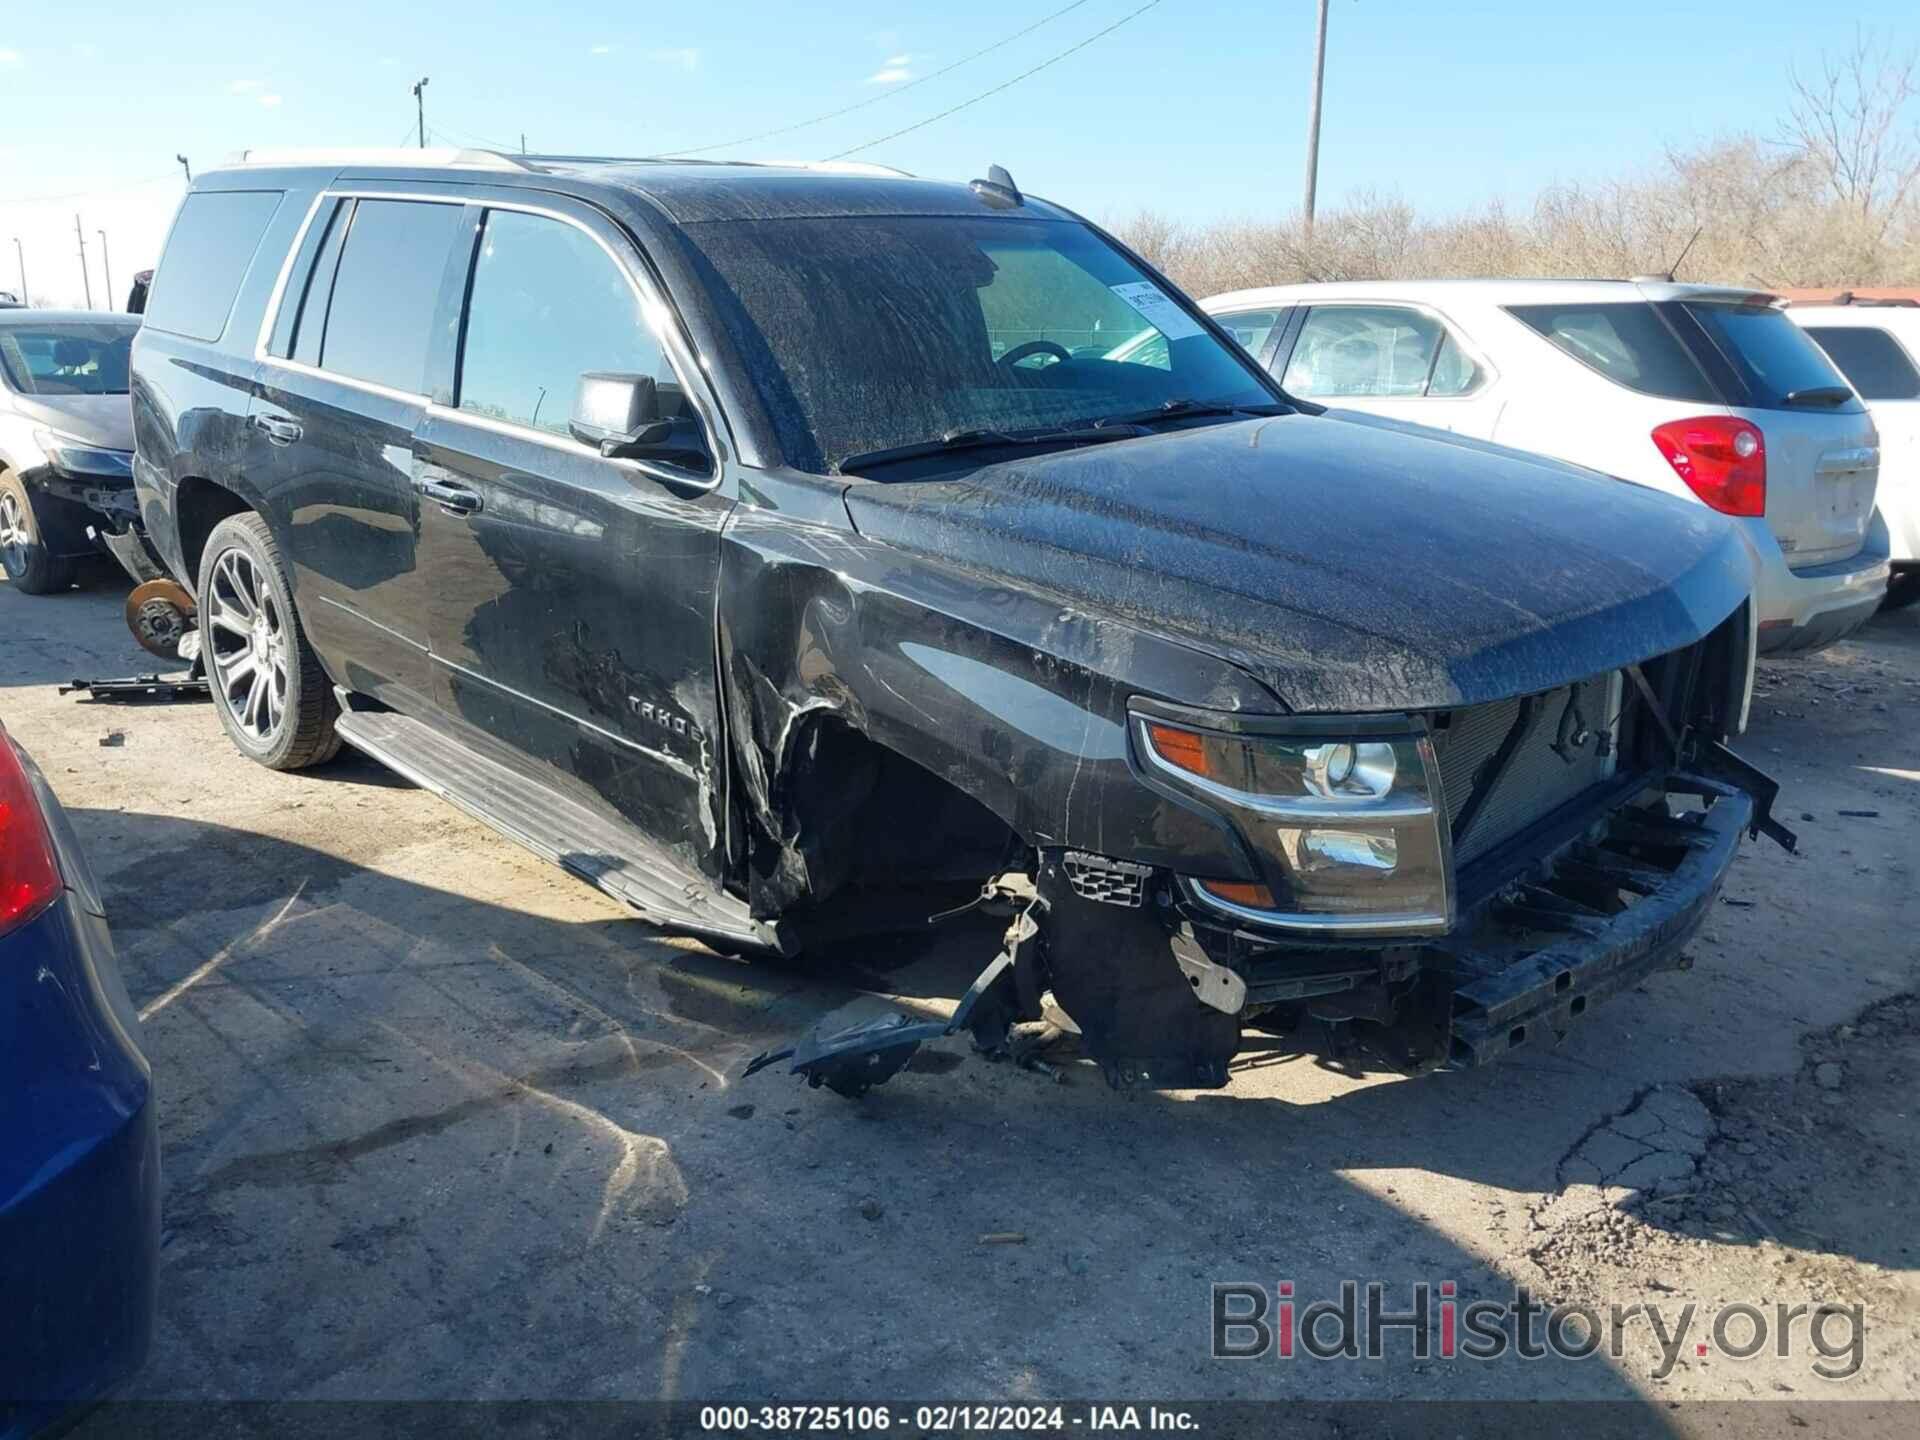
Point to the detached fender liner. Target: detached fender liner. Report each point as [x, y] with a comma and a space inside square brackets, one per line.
[1499, 1004]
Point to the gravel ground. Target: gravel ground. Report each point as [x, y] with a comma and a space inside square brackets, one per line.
[440, 1121]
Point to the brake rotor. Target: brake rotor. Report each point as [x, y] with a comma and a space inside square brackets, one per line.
[160, 614]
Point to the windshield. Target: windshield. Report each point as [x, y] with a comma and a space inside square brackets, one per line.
[72, 358]
[867, 333]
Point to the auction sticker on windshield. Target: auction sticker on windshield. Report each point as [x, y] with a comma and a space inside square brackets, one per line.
[1158, 309]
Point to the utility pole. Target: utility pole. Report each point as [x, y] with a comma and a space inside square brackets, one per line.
[420, 100]
[106, 266]
[523, 142]
[25, 299]
[186, 167]
[1313, 118]
[85, 279]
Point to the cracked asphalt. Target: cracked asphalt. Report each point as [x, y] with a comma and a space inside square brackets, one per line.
[440, 1121]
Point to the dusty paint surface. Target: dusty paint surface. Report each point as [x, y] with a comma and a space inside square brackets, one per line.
[441, 1121]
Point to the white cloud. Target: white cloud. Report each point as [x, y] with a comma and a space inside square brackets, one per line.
[245, 87]
[683, 59]
[890, 75]
[601, 50]
[9, 59]
[270, 101]
[899, 61]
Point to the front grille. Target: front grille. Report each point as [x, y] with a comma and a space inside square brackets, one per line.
[1538, 779]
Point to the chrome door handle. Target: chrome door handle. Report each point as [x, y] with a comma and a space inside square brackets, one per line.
[454, 499]
[277, 428]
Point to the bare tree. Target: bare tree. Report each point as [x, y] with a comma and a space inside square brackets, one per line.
[1850, 117]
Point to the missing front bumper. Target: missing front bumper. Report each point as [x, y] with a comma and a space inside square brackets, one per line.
[1664, 871]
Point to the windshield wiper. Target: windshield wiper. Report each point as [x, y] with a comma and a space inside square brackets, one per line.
[957, 440]
[1183, 408]
[1819, 395]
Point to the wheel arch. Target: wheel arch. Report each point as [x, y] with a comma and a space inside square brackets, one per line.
[1006, 698]
[199, 504]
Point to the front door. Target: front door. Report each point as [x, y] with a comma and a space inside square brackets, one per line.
[570, 604]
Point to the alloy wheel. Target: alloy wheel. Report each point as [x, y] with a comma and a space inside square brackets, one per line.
[14, 538]
[248, 645]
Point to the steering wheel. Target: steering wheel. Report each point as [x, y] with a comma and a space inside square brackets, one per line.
[1032, 348]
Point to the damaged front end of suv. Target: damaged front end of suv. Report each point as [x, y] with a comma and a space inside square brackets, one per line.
[1466, 881]
[1542, 820]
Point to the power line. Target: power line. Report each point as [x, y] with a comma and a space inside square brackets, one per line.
[472, 142]
[1003, 85]
[887, 94]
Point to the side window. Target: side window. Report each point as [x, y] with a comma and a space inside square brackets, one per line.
[379, 324]
[1252, 328]
[308, 309]
[1627, 342]
[208, 252]
[1454, 371]
[1380, 351]
[547, 305]
[1871, 359]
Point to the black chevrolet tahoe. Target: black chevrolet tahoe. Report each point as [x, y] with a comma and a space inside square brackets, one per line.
[796, 552]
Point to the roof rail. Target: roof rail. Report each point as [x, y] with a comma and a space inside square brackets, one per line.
[381, 155]
[828, 167]
[839, 167]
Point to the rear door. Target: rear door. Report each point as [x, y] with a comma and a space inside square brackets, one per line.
[1823, 456]
[1397, 360]
[570, 598]
[342, 390]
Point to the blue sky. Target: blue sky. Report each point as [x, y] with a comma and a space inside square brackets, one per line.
[1196, 107]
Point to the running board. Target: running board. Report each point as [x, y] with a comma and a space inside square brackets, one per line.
[601, 850]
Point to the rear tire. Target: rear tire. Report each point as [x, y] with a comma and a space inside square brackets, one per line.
[1902, 590]
[30, 566]
[273, 699]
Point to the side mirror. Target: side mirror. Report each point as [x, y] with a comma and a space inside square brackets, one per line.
[633, 417]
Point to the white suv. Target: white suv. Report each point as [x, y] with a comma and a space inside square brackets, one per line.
[1876, 345]
[1708, 393]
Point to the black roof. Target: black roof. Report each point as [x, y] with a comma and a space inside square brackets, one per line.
[686, 192]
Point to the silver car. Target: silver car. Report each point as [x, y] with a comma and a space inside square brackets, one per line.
[66, 442]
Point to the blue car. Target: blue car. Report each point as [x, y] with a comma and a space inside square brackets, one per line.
[79, 1148]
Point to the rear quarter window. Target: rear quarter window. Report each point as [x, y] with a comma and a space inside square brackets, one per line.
[1872, 360]
[209, 250]
[1627, 342]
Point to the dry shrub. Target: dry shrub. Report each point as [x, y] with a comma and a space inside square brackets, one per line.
[1832, 200]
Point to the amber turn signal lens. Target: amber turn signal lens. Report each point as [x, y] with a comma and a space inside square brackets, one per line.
[1180, 747]
[1256, 897]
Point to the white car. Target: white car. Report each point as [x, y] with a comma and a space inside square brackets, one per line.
[1876, 345]
[1708, 393]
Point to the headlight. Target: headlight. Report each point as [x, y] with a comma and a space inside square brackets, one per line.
[77, 457]
[1345, 816]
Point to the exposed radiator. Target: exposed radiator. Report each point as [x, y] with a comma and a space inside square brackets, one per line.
[1538, 778]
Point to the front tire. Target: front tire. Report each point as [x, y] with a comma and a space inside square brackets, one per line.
[31, 567]
[273, 698]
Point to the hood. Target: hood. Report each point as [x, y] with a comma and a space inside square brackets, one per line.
[102, 420]
[1351, 563]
